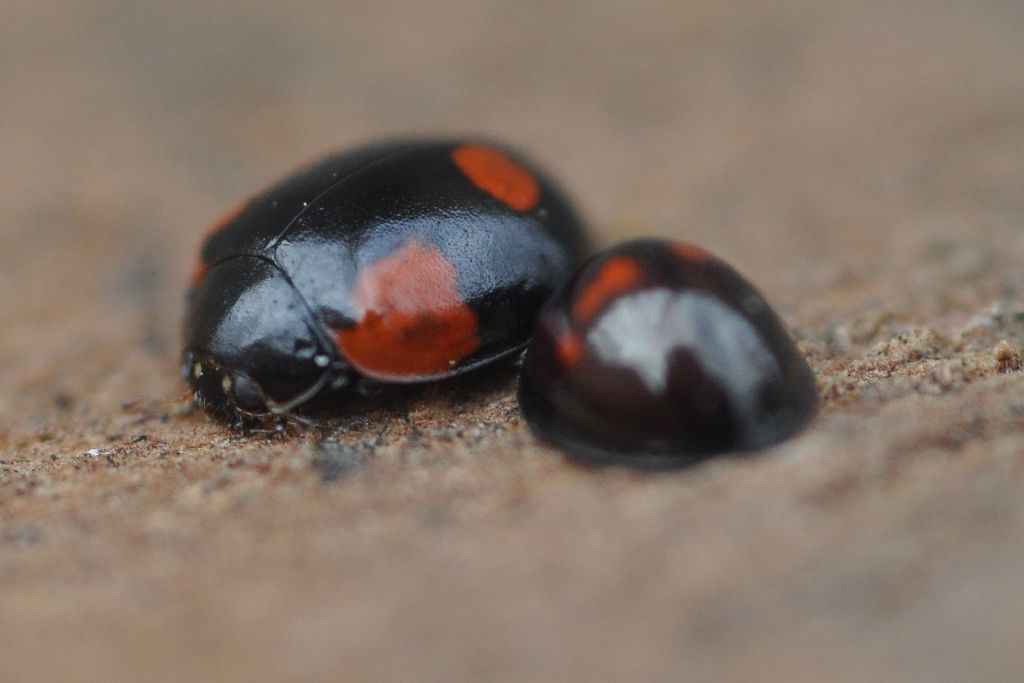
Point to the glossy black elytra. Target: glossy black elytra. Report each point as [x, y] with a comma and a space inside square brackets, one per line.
[657, 354]
[397, 262]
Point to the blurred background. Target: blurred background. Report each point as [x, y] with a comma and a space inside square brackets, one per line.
[862, 161]
[771, 132]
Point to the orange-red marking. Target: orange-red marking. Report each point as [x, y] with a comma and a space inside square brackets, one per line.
[496, 174]
[690, 252]
[414, 322]
[200, 273]
[227, 219]
[618, 275]
[569, 349]
[203, 269]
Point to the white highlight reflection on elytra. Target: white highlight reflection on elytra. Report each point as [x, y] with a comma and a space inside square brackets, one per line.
[640, 331]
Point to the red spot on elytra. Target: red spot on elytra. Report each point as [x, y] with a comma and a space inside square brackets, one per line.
[203, 269]
[414, 322]
[569, 350]
[200, 273]
[495, 173]
[228, 218]
[616, 276]
[689, 252]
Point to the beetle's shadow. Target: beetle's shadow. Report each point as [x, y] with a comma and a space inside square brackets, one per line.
[454, 397]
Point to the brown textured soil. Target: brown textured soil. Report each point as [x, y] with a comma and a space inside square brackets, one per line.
[862, 162]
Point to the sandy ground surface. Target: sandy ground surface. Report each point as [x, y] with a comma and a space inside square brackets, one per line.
[862, 162]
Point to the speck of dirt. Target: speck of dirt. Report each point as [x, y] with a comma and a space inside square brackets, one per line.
[333, 461]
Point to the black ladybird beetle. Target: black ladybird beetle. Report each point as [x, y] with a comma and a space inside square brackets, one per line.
[657, 354]
[397, 262]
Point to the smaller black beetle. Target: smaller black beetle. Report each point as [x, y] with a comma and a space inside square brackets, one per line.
[398, 262]
[656, 354]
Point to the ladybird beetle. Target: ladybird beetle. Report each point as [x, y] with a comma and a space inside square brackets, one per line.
[657, 354]
[398, 262]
